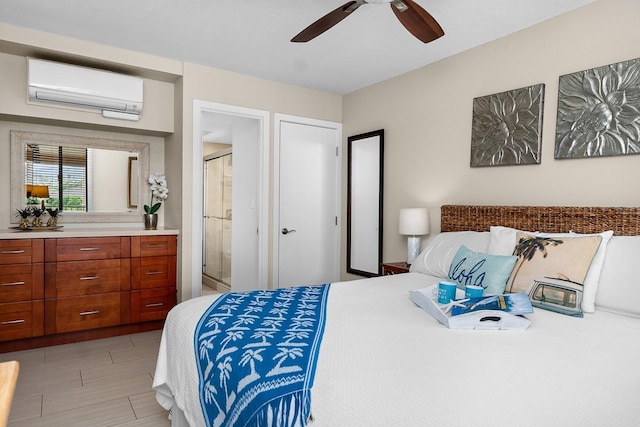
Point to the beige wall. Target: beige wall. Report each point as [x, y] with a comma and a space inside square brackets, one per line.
[110, 172]
[170, 88]
[208, 84]
[156, 120]
[427, 113]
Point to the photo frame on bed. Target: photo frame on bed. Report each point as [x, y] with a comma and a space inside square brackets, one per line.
[364, 203]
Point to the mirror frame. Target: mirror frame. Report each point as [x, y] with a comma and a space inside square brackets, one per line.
[373, 179]
[19, 139]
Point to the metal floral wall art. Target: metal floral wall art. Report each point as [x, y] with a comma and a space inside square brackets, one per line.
[599, 112]
[507, 127]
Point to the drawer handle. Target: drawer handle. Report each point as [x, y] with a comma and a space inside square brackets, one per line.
[89, 313]
[156, 246]
[18, 251]
[154, 273]
[90, 278]
[155, 304]
[12, 322]
[89, 249]
[12, 284]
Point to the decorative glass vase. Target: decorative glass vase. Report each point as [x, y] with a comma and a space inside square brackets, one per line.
[150, 221]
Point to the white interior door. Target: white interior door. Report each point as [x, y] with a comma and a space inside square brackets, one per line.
[308, 203]
[244, 202]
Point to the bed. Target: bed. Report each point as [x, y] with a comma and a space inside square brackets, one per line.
[383, 361]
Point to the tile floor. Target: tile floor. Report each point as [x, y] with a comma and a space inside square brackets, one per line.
[96, 383]
[206, 290]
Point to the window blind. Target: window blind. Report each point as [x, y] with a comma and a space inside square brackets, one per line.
[63, 170]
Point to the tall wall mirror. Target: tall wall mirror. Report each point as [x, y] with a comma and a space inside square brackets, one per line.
[364, 203]
[87, 179]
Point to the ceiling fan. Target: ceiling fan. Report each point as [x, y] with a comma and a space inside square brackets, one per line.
[414, 18]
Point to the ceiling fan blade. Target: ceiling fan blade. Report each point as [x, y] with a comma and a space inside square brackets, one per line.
[327, 21]
[417, 20]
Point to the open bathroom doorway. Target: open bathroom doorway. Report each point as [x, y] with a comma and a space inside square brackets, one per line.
[217, 221]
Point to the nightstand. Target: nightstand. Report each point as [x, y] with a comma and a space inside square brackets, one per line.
[390, 268]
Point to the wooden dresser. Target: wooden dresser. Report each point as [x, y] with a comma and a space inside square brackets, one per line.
[66, 289]
[153, 277]
[21, 289]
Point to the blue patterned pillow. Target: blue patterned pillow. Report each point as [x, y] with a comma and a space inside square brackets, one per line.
[481, 269]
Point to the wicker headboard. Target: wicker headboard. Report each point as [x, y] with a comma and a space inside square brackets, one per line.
[550, 219]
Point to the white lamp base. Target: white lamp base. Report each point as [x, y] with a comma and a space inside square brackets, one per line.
[413, 248]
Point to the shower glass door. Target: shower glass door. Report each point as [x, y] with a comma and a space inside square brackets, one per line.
[217, 219]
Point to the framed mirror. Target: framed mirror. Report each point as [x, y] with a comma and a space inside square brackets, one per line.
[88, 179]
[364, 203]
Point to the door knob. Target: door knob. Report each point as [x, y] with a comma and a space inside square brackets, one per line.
[285, 231]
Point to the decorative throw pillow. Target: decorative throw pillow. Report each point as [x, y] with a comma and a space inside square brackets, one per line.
[436, 257]
[478, 268]
[503, 241]
[566, 258]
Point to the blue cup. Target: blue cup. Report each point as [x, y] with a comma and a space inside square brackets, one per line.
[473, 291]
[446, 292]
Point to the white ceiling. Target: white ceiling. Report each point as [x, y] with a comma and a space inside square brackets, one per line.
[252, 36]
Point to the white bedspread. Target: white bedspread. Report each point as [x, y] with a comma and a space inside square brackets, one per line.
[385, 362]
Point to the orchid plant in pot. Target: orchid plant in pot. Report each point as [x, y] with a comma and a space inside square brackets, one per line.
[159, 193]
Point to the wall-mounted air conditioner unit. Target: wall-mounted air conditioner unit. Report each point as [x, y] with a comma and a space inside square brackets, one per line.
[116, 95]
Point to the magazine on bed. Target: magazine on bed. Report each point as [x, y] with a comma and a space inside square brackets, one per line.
[516, 304]
[483, 313]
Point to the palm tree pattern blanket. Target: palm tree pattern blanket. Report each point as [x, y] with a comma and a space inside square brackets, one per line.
[256, 355]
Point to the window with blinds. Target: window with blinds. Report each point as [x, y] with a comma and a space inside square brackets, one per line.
[64, 171]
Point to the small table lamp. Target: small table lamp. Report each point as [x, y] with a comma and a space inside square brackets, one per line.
[41, 192]
[414, 222]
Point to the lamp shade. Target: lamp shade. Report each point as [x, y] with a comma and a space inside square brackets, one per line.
[414, 221]
[40, 191]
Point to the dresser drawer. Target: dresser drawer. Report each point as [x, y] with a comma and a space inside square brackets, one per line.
[84, 248]
[143, 246]
[153, 272]
[87, 312]
[21, 282]
[21, 251]
[76, 278]
[21, 320]
[152, 304]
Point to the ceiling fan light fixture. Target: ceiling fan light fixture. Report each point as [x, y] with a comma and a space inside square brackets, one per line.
[398, 4]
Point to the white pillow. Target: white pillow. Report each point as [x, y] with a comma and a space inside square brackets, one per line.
[436, 257]
[619, 289]
[503, 240]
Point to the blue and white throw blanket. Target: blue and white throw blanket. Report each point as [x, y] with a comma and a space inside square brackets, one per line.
[256, 355]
